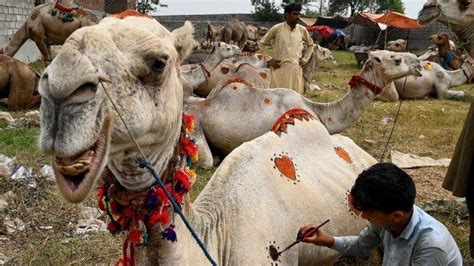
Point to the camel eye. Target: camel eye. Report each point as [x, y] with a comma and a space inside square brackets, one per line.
[378, 59]
[158, 66]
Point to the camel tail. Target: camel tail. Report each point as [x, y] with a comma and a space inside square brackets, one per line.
[17, 41]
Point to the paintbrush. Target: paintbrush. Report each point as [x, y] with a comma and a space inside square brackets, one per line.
[274, 253]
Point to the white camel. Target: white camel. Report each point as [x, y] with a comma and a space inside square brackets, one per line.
[195, 74]
[260, 194]
[435, 81]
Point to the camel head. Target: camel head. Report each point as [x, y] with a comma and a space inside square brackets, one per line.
[322, 54]
[440, 39]
[399, 45]
[225, 50]
[445, 10]
[386, 66]
[136, 61]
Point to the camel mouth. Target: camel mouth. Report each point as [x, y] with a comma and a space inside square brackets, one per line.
[75, 175]
[428, 14]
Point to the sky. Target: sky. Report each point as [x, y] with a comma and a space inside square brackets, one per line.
[187, 7]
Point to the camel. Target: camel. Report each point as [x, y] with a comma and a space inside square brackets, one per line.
[234, 30]
[49, 24]
[398, 45]
[456, 15]
[320, 54]
[227, 69]
[223, 120]
[435, 81]
[211, 34]
[195, 74]
[255, 32]
[255, 201]
[18, 83]
[449, 59]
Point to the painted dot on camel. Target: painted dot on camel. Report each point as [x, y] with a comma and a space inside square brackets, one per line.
[343, 154]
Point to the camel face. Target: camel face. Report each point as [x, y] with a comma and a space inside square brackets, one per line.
[430, 12]
[438, 39]
[80, 129]
[399, 45]
[323, 54]
[388, 66]
[226, 50]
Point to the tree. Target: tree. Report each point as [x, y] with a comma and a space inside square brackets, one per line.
[145, 6]
[266, 11]
[394, 5]
[351, 7]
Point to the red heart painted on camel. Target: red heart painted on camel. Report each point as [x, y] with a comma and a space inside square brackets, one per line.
[286, 167]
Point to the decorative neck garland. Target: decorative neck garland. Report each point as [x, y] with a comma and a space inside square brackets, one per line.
[207, 74]
[137, 212]
[66, 13]
[360, 80]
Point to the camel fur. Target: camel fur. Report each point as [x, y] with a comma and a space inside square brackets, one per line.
[18, 83]
[435, 81]
[223, 120]
[260, 194]
[45, 30]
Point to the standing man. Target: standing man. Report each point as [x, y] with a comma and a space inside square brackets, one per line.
[384, 195]
[288, 59]
[460, 176]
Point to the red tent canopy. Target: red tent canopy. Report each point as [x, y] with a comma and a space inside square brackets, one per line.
[391, 18]
[323, 30]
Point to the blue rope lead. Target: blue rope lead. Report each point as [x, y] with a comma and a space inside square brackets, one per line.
[145, 164]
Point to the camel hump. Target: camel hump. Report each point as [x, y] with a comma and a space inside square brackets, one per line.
[288, 118]
[129, 13]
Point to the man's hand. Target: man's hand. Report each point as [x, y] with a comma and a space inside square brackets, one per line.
[275, 64]
[316, 237]
[302, 62]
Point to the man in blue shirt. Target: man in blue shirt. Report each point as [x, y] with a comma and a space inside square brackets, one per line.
[384, 195]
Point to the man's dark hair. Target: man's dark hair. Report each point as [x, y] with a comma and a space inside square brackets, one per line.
[292, 7]
[384, 187]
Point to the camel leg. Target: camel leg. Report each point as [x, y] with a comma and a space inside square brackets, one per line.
[40, 39]
[450, 94]
[206, 160]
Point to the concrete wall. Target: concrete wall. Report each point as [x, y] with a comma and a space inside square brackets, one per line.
[417, 39]
[13, 14]
[200, 21]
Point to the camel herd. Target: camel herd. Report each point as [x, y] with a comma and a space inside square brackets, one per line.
[285, 165]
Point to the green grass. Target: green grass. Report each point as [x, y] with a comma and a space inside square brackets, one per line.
[425, 127]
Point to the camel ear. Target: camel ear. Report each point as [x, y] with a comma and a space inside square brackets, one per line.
[184, 40]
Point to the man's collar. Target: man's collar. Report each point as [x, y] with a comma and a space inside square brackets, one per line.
[410, 228]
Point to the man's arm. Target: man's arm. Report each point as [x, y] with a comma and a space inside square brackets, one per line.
[360, 245]
[309, 44]
[430, 256]
[268, 38]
